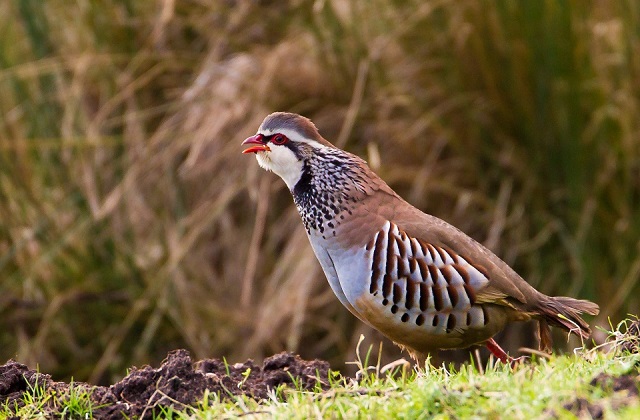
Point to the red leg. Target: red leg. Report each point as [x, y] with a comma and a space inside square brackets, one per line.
[497, 351]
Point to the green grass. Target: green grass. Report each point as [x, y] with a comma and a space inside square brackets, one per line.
[538, 389]
[39, 402]
[528, 392]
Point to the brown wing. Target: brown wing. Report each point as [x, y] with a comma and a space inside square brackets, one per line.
[505, 295]
[505, 286]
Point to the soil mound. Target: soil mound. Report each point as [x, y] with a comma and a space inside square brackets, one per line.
[177, 383]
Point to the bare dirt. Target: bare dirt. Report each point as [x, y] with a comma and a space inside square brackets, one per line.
[177, 383]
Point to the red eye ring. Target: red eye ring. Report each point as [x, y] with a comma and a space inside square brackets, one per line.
[279, 139]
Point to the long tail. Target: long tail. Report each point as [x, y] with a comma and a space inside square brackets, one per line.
[565, 312]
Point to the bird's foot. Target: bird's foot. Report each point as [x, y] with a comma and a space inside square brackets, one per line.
[501, 355]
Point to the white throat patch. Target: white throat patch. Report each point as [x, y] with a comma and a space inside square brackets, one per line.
[282, 162]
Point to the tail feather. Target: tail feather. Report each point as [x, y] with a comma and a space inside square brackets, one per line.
[566, 312]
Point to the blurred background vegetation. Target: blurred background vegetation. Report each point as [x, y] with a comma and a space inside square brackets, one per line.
[130, 224]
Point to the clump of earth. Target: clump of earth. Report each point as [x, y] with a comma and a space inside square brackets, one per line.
[177, 383]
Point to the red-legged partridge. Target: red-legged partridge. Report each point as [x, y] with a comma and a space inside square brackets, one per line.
[420, 281]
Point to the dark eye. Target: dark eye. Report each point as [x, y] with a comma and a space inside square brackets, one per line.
[279, 139]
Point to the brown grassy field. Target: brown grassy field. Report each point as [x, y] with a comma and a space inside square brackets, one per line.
[130, 224]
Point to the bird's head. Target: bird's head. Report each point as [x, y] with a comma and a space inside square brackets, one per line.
[285, 143]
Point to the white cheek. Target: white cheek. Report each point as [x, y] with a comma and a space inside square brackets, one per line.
[282, 162]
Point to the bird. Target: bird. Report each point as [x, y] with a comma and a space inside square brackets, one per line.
[417, 279]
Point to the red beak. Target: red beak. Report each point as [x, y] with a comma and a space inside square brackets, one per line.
[258, 141]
